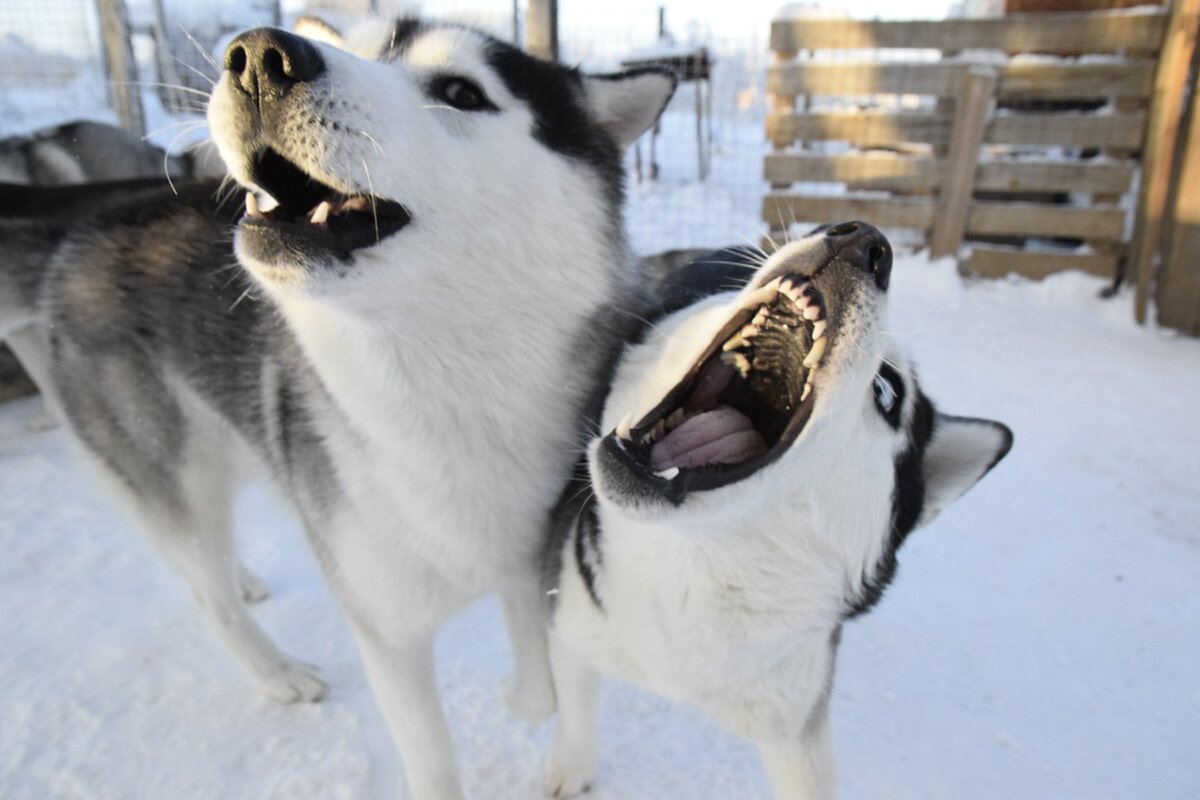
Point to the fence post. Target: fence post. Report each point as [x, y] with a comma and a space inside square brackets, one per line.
[1162, 134]
[120, 66]
[541, 28]
[1177, 293]
[958, 180]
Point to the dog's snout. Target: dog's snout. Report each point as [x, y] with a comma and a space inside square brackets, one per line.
[266, 62]
[865, 247]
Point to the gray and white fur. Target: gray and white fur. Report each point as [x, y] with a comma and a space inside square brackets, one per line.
[429, 276]
[765, 451]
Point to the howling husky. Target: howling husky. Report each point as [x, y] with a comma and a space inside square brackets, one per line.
[435, 271]
[768, 452]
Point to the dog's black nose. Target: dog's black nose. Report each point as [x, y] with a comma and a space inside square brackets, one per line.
[864, 246]
[266, 62]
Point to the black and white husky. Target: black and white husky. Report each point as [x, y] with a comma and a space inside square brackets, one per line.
[437, 272]
[768, 451]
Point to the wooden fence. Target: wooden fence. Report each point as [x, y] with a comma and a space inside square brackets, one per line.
[1018, 135]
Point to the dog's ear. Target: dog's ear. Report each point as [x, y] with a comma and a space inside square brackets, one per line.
[961, 451]
[318, 30]
[627, 103]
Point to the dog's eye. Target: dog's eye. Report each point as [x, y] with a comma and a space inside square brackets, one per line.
[462, 94]
[885, 394]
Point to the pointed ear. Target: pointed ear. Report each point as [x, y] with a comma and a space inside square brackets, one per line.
[318, 30]
[961, 452]
[627, 103]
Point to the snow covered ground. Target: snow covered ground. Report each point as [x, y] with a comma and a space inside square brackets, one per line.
[1042, 639]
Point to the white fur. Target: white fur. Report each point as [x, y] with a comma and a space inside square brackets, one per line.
[732, 601]
[447, 350]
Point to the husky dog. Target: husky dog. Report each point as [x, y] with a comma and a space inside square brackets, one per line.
[768, 451]
[85, 152]
[434, 272]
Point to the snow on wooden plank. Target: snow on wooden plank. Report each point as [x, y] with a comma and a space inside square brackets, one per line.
[864, 171]
[1041, 33]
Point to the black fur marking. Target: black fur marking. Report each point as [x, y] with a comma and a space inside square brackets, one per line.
[725, 270]
[908, 500]
[403, 33]
[588, 555]
[562, 122]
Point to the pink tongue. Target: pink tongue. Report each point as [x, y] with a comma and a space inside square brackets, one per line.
[721, 436]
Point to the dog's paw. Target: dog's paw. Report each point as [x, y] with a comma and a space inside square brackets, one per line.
[252, 588]
[532, 701]
[42, 421]
[568, 773]
[294, 682]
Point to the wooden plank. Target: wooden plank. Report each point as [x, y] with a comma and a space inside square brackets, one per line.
[958, 181]
[541, 28]
[1041, 33]
[120, 66]
[943, 79]
[1069, 130]
[872, 128]
[1053, 176]
[1177, 293]
[782, 208]
[990, 262]
[865, 128]
[1166, 118]
[891, 171]
[1035, 219]
[864, 170]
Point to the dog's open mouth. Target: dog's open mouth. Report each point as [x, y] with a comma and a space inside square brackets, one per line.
[318, 214]
[743, 402]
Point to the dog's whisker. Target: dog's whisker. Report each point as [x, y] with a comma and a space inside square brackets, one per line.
[200, 49]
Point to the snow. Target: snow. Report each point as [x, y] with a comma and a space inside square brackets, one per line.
[1040, 641]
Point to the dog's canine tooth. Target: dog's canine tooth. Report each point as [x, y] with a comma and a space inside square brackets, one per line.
[321, 213]
[818, 329]
[668, 474]
[815, 354]
[252, 209]
[760, 296]
[738, 361]
[813, 312]
[624, 426]
[734, 342]
[807, 391]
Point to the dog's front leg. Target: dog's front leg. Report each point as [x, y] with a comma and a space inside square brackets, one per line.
[400, 668]
[529, 690]
[803, 769]
[571, 765]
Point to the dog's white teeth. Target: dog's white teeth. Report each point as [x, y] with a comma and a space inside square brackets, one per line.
[760, 296]
[668, 474]
[660, 429]
[749, 331]
[819, 329]
[812, 312]
[252, 209]
[815, 354]
[761, 317]
[792, 293]
[623, 427]
[321, 213]
[357, 203]
[738, 361]
[734, 343]
[807, 391]
[676, 419]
